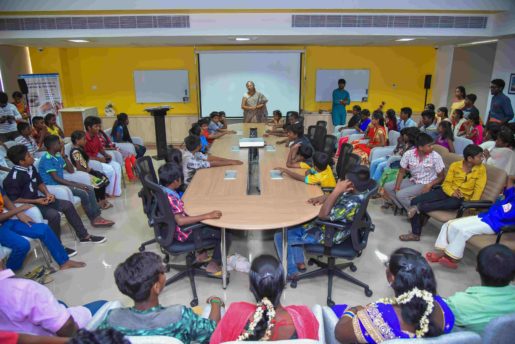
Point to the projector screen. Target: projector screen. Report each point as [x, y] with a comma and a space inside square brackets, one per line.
[223, 76]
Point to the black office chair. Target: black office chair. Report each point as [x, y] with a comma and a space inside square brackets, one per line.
[301, 120]
[164, 230]
[352, 247]
[311, 132]
[145, 167]
[505, 229]
[322, 123]
[318, 137]
[329, 147]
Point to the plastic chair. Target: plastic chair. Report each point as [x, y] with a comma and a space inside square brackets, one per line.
[101, 314]
[464, 337]
[500, 330]
[330, 321]
[460, 143]
[318, 313]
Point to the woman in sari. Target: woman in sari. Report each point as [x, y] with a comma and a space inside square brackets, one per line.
[375, 133]
[459, 100]
[254, 105]
[415, 311]
[268, 320]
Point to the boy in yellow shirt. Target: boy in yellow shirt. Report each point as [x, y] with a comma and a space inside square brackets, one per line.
[465, 181]
[320, 174]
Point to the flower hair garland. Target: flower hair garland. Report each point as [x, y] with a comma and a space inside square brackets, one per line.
[407, 297]
[258, 315]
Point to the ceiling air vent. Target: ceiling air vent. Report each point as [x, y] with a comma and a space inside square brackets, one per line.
[94, 22]
[390, 21]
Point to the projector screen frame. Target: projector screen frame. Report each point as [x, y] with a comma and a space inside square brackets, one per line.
[302, 76]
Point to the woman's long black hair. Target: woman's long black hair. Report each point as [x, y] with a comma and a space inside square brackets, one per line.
[448, 134]
[266, 280]
[411, 271]
[379, 116]
[120, 120]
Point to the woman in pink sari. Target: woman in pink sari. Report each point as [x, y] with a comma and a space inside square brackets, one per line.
[268, 320]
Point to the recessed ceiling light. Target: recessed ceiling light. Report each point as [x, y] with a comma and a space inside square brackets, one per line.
[405, 39]
[242, 39]
[78, 41]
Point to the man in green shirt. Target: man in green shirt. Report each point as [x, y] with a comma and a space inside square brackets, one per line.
[142, 278]
[475, 307]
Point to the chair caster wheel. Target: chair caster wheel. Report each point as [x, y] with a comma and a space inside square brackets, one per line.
[311, 262]
[368, 292]
[166, 259]
[141, 248]
[330, 303]
[293, 284]
[353, 268]
[194, 303]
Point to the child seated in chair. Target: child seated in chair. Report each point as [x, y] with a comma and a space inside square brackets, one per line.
[320, 174]
[300, 156]
[142, 278]
[170, 176]
[193, 159]
[340, 206]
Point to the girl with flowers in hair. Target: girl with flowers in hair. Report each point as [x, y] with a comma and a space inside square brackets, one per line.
[415, 311]
[267, 320]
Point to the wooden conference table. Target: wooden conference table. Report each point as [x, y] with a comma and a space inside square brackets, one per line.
[281, 204]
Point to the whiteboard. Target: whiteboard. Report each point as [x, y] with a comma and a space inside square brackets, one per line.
[357, 83]
[223, 76]
[160, 86]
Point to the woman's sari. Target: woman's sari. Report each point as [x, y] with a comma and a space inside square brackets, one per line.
[378, 322]
[258, 115]
[362, 149]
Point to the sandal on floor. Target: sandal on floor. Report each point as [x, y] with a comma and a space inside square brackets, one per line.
[409, 237]
[102, 223]
[446, 262]
[433, 257]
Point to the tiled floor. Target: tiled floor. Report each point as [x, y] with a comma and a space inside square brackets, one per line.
[96, 281]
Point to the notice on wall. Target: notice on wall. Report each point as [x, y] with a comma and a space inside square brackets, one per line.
[44, 93]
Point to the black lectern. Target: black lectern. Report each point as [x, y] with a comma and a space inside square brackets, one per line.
[159, 114]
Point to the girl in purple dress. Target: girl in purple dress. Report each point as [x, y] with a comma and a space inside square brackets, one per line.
[445, 136]
[415, 310]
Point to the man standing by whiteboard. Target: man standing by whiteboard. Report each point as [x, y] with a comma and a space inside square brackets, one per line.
[340, 99]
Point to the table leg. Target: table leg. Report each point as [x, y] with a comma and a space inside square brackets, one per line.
[285, 253]
[224, 258]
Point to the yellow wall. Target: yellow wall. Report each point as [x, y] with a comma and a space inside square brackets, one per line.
[403, 66]
[95, 76]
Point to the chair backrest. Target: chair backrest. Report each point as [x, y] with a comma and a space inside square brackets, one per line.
[362, 223]
[500, 330]
[330, 142]
[301, 120]
[322, 123]
[145, 167]
[440, 150]
[108, 131]
[351, 160]
[153, 340]
[460, 143]
[318, 313]
[163, 219]
[68, 148]
[318, 139]
[343, 157]
[311, 132]
[330, 321]
[393, 136]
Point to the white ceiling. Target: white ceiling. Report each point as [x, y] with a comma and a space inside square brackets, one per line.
[332, 40]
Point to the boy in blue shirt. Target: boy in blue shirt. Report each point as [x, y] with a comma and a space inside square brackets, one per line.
[405, 120]
[454, 234]
[51, 167]
[215, 126]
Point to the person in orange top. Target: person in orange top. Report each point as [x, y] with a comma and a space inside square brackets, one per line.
[376, 133]
[20, 105]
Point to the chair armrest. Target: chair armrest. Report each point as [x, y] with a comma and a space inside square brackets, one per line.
[473, 205]
[197, 238]
[379, 152]
[327, 189]
[331, 224]
[137, 140]
[508, 229]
